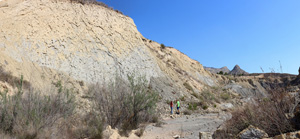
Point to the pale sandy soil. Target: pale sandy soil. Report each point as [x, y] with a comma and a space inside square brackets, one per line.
[186, 126]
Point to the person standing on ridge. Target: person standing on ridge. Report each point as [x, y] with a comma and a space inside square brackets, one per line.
[178, 106]
[171, 105]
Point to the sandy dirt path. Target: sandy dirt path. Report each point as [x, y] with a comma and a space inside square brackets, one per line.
[186, 126]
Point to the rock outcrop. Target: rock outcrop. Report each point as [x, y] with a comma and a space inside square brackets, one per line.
[291, 135]
[238, 71]
[205, 135]
[252, 133]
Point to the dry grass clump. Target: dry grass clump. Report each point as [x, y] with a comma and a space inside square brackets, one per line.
[187, 112]
[140, 132]
[267, 114]
[90, 125]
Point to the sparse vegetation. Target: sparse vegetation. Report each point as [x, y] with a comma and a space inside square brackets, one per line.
[268, 115]
[208, 95]
[122, 103]
[192, 106]
[28, 112]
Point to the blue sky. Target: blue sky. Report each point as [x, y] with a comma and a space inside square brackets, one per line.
[250, 33]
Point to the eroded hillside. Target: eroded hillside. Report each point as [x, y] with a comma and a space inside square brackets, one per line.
[62, 42]
[91, 43]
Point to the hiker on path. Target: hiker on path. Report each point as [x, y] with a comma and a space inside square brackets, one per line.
[178, 106]
[171, 105]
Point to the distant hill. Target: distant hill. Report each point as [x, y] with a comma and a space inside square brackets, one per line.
[235, 71]
[238, 71]
[217, 70]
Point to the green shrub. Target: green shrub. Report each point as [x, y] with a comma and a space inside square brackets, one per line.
[192, 106]
[125, 103]
[141, 99]
[162, 46]
[204, 107]
[155, 119]
[266, 99]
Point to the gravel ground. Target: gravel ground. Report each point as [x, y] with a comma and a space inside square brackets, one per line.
[186, 126]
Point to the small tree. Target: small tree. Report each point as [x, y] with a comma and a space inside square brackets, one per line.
[141, 99]
[125, 103]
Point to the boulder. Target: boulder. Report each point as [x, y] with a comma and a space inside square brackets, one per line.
[110, 133]
[291, 135]
[252, 133]
[205, 135]
[225, 106]
[176, 137]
